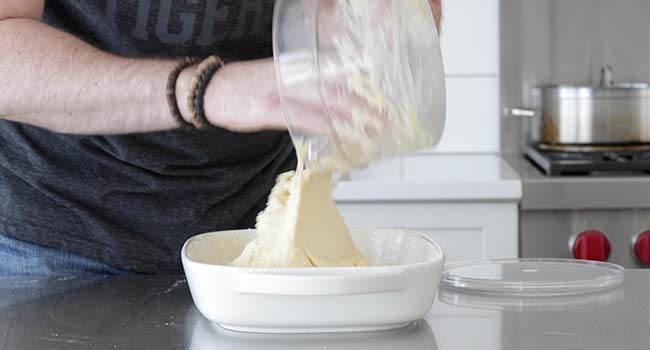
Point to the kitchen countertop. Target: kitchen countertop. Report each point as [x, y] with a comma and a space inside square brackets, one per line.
[434, 177]
[157, 313]
[540, 192]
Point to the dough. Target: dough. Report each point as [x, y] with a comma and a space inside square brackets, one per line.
[301, 226]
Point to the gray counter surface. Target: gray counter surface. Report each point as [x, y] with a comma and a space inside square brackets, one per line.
[606, 191]
[157, 313]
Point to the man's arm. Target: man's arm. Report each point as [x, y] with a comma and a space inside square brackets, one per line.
[51, 79]
[54, 80]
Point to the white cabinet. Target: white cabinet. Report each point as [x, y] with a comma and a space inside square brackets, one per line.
[466, 203]
[463, 230]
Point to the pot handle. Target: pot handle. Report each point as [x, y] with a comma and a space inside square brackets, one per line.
[520, 112]
[320, 285]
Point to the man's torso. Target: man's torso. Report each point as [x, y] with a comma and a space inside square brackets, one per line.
[130, 201]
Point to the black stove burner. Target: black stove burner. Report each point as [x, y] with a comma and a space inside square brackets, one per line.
[555, 163]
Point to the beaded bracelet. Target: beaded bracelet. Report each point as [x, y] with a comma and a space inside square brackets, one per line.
[204, 72]
[172, 102]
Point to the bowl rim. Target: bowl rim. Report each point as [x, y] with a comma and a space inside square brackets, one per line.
[439, 259]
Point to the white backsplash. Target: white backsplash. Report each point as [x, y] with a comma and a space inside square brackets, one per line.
[470, 46]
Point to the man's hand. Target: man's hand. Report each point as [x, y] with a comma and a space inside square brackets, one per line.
[436, 6]
[244, 97]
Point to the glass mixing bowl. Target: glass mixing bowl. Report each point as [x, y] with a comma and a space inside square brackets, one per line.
[359, 80]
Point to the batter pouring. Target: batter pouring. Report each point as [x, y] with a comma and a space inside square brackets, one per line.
[301, 226]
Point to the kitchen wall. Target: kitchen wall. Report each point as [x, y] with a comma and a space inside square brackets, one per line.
[470, 45]
[552, 41]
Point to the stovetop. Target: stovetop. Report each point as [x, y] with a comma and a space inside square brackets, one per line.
[556, 163]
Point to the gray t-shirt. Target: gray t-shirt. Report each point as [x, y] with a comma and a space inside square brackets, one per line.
[131, 201]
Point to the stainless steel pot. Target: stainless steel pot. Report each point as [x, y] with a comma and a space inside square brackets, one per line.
[609, 114]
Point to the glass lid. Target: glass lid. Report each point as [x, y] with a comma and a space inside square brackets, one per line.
[561, 303]
[531, 277]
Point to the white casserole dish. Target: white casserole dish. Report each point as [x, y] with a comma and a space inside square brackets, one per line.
[397, 289]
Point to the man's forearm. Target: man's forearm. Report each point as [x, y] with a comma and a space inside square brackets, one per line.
[54, 80]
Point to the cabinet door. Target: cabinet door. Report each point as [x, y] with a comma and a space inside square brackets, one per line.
[463, 230]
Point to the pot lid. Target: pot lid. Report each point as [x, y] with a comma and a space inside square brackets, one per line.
[607, 88]
[577, 91]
